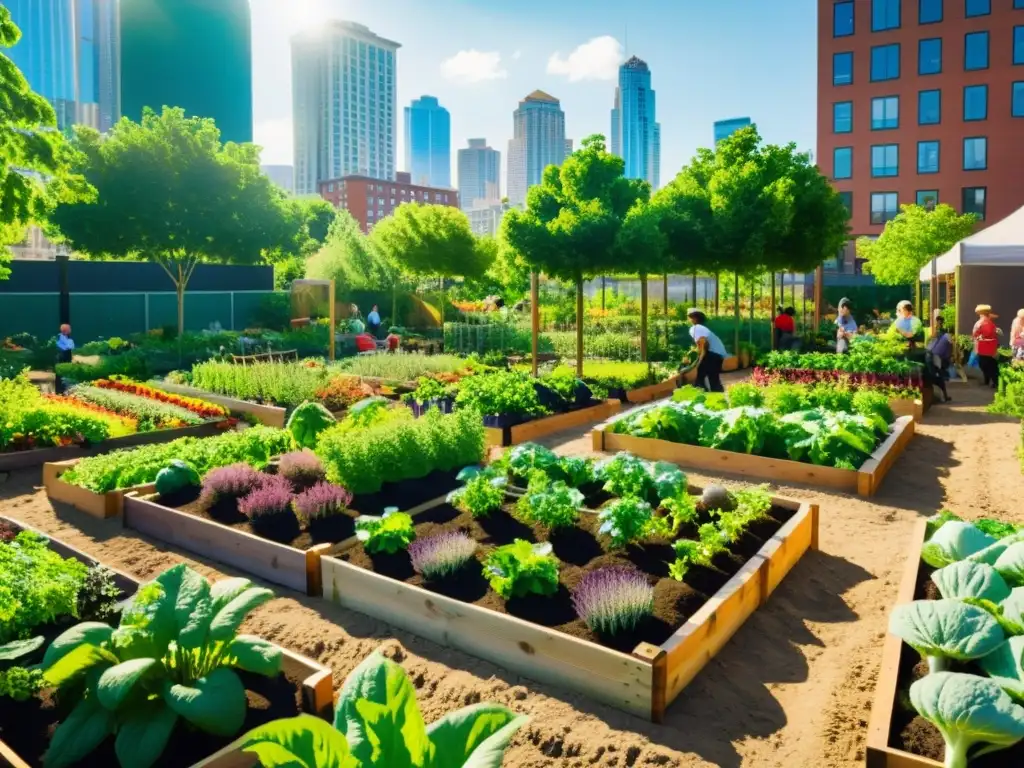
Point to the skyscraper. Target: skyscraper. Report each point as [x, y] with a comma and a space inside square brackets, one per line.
[428, 143]
[344, 101]
[538, 141]
[726, 128]
[193, 54]
[479, 174]
[69, 53]
[636, 136]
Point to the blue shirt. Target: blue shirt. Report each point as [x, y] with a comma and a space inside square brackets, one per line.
[907, 324]
[847, 323]
[64, 343]
[715, 344]
[373, 318]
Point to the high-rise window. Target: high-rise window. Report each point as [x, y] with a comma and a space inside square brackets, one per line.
[927, 157]
[842, 19]
[842, 68]
[976, 50]
[885, 160]
[885, 62]
[1017, 100]
[885, 113]
[842, 117]
[929, 56]
[1018, 4]
[977, 7]
[929, 107]
[842, 163]
[847, 198]
[885, 14]
[974, 200]
[927, 198]
[976, 153]
[884, 207]
[975, 102]
[1018, 45]
[929, 11]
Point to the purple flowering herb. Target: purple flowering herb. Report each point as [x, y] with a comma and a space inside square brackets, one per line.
[435, 557]
[613, 599]
[322, 500]
[271, 496]
[302, 468]
[230, 482]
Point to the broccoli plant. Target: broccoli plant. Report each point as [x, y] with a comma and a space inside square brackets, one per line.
[172, 656]
[388, 533]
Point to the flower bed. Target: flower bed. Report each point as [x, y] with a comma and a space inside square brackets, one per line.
[209, 700]
[625, 603]
[972, 652]
[845, 451]
[855, 368]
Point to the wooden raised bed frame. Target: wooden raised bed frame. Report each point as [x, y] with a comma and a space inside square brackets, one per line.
[653, 391]
[317, 680]
[547, 425]
[270, 415]
[271, 561]
[879, 753]
[864, 481]
[643, 683]
[40, 456]
[101, 505]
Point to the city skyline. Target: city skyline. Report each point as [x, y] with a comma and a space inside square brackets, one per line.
[479, 60]
[428, 143]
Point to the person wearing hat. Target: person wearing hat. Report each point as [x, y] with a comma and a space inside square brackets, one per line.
[710, 352]
[986, 344]
[846, 327]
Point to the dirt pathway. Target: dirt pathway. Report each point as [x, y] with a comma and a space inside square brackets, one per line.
[793, 688]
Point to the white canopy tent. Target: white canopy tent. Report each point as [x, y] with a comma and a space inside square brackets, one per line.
[1001, 245]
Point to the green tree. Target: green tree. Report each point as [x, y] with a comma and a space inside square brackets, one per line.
[431, 241]
[508, 275]
[35, 159]
[643, 246]
[318, 215]
[571, 224]
[350, 258]
[911, 240]
[171, 193]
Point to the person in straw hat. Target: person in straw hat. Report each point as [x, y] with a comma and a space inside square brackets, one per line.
[986, 344]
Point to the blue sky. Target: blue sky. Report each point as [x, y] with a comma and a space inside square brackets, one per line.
[710, 59]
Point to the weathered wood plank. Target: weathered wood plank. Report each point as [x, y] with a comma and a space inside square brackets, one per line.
[532, 430]
[873, 471]
[653, 391]
[101, 505]
[901, 406]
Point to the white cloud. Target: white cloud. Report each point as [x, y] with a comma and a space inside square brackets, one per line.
[473, 66]
[597, 59]
[517, 54]
[276, 138]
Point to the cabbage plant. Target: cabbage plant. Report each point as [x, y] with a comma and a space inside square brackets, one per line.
[942, 630]
[172, 657]
[378, 724]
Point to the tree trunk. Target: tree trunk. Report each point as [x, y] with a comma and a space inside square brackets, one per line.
[579, 327]
[750, 331]
[603, 282]
[694, 286]
[643, 317]
[736, 316]
[664, 296]
[394, 306]
[440, 293]
[534, 319]
[717, 285]
[772, 314]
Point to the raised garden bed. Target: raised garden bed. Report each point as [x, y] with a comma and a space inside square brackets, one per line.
[514, 434]
[304, 685]
[182, 522]
[39, 456]
[864, 481]
[915, 408]
[270, 415]
[648, 393]
[101, 505]
[547, 643]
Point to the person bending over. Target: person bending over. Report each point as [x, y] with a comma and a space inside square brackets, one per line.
[710, 353]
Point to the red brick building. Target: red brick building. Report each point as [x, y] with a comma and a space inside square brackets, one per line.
[922, 101]
[370, 200]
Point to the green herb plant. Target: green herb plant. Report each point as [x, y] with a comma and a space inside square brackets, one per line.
[522, 568]
[551, 504]
[483, 492]
[626, 520]
[388, 533]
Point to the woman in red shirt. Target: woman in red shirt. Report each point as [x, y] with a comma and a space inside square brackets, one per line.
[785, 329]
[986, 344]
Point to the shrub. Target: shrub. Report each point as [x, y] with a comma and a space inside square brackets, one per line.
[301, 468]
[342, 391]
[229, 483]
[613, 599]
[272, 495]
[444, 554]
[131, 364]
[500, 394]
[322, 500]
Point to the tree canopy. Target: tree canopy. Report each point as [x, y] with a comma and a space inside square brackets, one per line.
[170, 192]
[35, 159]
[431, 241]
[909, 241]
[350, 258]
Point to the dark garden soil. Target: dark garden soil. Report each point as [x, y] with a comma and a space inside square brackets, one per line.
[580, 549]
[908, 730]
[26, 727]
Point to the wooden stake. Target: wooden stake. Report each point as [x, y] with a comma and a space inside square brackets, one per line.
[534, 317]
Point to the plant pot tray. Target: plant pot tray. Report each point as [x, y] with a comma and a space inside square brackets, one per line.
[653, 391]
[879, 753]
[101, 505]
[642, 683]
[39, 456]
[281, 564]
[270, 415]
[864, 481]
[533, 430]
[317, 680]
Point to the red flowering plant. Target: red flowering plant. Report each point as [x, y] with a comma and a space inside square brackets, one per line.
[195, 405]
[342, 391]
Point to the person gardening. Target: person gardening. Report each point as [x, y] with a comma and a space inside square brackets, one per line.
[846, 327]
[986, 344]
[710, 353]
[65, 352]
